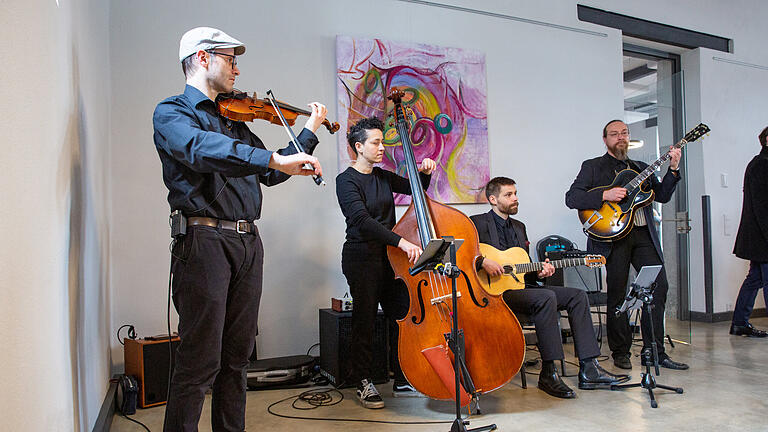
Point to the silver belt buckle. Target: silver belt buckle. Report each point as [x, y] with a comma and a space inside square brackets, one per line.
[237, 226]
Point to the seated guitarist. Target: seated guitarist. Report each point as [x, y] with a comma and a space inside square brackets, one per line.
[640, 247]
[499, 230]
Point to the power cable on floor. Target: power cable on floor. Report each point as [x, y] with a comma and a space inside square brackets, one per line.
[312, 399]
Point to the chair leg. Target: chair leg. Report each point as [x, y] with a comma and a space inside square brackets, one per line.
[562, 366]
[523, 380]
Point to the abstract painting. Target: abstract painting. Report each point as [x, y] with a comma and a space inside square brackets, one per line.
[446, 104]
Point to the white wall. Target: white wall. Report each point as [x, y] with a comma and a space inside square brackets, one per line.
[549, 92]
[736, 110]
[538, 129]
[53, 318]
[731, 100]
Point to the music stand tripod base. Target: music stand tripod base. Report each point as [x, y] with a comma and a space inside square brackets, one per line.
[642, 291]
[433, 257]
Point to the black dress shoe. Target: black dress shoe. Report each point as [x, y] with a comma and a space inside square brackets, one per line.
[666, 362]
[747, 330]
[552, 384]
[621, 361]
[593, 376]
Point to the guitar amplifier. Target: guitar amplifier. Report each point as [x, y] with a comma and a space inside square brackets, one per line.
[148, 360]
[335, 338]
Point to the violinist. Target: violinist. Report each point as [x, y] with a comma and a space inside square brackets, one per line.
[498, 229]
[365, 196]
[213, 168]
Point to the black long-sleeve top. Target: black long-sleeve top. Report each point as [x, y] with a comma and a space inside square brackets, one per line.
[368, 206]
[214, 166]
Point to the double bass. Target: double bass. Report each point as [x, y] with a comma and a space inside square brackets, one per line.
[493, 339]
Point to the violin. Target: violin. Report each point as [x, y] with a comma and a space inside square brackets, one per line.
[239, 106]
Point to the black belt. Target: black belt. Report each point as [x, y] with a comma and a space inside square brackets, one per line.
[241, 226]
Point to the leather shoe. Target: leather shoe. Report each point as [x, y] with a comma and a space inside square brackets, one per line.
[593, 376]
[551, 383]
[665, 362]
[621, 361]
[747, 330]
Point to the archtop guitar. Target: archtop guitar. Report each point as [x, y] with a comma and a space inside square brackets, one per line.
[517, 263]
[614, 220]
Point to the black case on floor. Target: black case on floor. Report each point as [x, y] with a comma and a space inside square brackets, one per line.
[280, 372]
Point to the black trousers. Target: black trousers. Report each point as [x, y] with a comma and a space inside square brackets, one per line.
[636, 249]
[542, 305]
[217, 281]
[371, 282]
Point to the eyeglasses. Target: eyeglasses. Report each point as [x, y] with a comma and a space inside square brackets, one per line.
[232, 58]
[616, 134]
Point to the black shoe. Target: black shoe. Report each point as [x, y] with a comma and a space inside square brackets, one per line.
[622, 361]
[665, 362]
[368, 395]
[405, 389]
[747, 330]
[551, 383]
[593, 376]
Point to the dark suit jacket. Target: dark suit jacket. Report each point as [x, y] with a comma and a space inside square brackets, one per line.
[752, 238]
[488, 234]
[599, 172]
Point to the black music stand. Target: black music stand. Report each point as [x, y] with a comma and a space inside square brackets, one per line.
[433, 257]
[640, 294]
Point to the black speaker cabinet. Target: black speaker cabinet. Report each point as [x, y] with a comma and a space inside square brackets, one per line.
[335, 338]
[148, 361]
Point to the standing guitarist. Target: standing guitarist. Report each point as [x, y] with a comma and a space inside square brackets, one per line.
[640, 247]
[499, 230]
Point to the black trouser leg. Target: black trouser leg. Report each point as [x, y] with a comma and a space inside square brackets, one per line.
[617, 271]
[644, 254]
[204, 264]
[371, 281]
[541, 306]
[240, 329]
[576, 303]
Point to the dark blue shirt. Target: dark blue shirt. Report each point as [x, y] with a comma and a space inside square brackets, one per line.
[214, 166]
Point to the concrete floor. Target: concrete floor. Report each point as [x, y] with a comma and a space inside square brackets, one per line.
[726, 389]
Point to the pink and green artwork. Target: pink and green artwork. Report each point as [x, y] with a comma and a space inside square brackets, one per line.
[445, 99]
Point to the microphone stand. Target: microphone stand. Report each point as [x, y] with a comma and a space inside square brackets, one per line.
[456, 337]
[647, 379]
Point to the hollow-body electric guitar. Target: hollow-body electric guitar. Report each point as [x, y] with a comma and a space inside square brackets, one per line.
[517, 263]
[614, 220]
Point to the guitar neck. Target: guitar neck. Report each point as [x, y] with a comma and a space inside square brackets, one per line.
[640, 178]
[538, 266]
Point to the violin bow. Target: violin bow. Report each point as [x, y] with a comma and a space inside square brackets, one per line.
[295, 141]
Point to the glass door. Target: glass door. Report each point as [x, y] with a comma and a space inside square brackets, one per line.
[653, 106]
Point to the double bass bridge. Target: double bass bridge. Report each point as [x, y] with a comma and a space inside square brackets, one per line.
[443, 298]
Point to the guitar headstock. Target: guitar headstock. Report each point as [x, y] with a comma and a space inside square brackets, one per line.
[593, 261]
[696, 133]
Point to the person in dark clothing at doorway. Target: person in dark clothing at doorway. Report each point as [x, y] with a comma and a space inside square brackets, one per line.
[498, 229]
[213, 168]
[752, 241]
[365, 196]
[639, 248]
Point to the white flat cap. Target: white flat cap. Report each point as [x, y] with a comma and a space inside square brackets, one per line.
[206, 38]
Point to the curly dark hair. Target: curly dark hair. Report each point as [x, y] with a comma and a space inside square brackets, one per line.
[494, 186]
[358, 133]
[763, 135]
